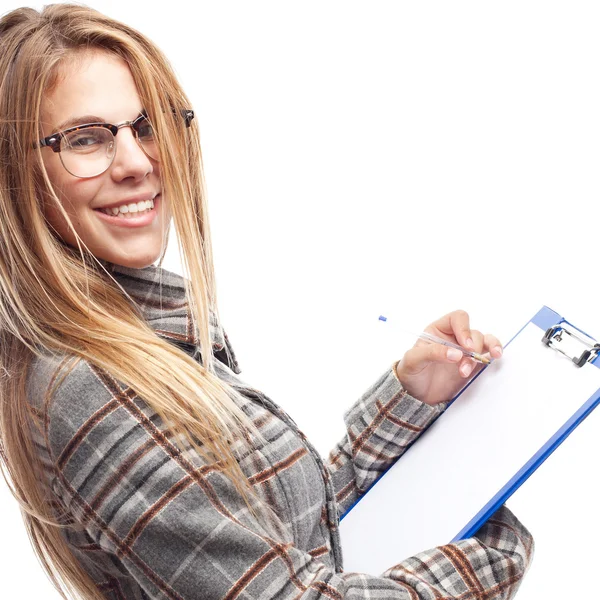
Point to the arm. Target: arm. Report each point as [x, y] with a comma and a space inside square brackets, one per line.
[389, 418]
[380, 426]
[178, 529]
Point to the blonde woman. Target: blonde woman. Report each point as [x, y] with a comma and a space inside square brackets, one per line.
[145, 467]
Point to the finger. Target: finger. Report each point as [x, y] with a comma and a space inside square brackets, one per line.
[467, 366]
[478, 341]
[457, 324]
[492, 345]
[486, 345]
[419, 357]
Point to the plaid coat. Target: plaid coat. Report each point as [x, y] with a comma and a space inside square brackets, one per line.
[147, 521]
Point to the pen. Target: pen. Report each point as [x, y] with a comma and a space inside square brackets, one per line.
[432, 338]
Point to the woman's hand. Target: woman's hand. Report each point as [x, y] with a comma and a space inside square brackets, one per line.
[434, 373]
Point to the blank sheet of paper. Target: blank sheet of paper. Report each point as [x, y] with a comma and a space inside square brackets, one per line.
[472, 458]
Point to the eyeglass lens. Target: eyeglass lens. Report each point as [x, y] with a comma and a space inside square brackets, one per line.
[90, 151]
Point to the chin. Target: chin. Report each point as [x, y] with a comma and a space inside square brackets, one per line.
[139, 261]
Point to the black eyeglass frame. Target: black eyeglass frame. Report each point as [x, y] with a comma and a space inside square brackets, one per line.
[53, 141]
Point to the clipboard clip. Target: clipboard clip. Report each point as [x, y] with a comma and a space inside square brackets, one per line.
[556, 334]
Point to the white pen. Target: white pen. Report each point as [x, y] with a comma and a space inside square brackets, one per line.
[432, 338]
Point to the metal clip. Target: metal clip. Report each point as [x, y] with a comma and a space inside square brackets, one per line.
[554, 335]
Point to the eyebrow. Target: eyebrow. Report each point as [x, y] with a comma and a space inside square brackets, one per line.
[84, 119]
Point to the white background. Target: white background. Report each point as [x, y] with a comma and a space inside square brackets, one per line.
[396, 158]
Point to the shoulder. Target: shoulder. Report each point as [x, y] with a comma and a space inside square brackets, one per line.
[82, 393]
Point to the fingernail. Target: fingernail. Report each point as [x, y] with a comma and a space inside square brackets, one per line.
[466, 370]
[469, 343]
[454, 354]
[498, 349]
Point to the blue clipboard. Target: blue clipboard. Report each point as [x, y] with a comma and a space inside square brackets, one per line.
[370, 522]
[546, 319]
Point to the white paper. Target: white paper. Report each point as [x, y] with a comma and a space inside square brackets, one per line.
[468, 455]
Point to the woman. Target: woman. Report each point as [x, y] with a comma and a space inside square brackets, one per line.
[147, 468]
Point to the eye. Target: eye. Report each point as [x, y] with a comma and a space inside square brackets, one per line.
[145, 129]
[86, 139]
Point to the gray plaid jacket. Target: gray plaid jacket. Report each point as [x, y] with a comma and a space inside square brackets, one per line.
[147, 521]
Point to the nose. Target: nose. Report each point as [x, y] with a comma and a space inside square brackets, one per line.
[130, 160]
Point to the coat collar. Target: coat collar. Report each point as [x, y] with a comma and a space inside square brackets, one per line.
[162, 298]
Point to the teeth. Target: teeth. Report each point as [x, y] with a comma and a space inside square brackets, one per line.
[129, 210]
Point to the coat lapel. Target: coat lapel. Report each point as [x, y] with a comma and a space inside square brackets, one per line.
[162, 298]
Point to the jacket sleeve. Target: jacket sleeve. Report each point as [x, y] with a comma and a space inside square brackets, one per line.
[178, 528]
[380, 427]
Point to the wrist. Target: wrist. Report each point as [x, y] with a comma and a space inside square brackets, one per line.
[400, 377]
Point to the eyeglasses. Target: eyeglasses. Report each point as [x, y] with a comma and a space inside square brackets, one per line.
[88, 150]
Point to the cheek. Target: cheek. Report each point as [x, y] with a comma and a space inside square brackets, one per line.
[74, 197]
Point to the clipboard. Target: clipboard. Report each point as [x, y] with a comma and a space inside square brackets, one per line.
[490, 439]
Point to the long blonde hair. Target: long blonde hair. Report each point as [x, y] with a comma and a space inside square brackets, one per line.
[56, 297]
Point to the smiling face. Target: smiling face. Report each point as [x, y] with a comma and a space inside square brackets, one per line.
[101, 84]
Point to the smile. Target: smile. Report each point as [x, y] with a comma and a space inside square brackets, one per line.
[143, 215]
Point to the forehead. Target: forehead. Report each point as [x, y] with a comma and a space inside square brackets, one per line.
[94, 83]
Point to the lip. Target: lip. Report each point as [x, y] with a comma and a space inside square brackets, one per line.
[140, 221]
